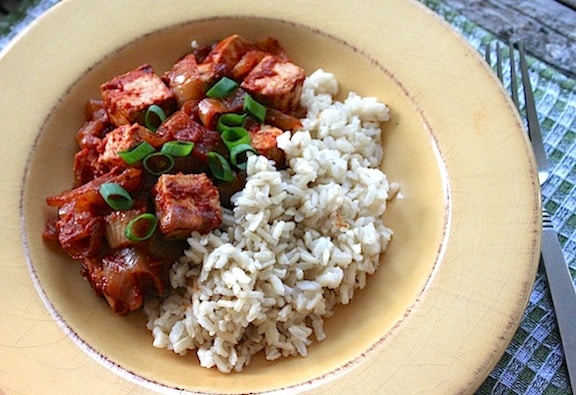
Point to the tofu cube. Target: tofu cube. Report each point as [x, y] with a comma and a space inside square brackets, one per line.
[128, 95]
[276, 83]
[263, 140]
[122, 138]
[186, 203]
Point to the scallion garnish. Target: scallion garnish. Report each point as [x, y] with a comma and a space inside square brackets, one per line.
[233, 136]
[228, 120]
[254, 108]
[116, 196]
[223, 88]
[154, 117]
[137, 153]
[158, 163]
[141, 228]
[239, 155]
[177, 148]
[219, 167]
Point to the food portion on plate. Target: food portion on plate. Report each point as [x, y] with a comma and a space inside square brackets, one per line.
[232, 196]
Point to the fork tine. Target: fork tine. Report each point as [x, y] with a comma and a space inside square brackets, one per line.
[487, 54]
[488, 58]
[513, 78]
[532, 117]
[499, 62]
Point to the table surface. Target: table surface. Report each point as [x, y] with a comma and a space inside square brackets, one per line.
[534, 361]
[547, 27]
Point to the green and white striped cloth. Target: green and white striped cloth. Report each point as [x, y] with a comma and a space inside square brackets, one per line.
[534, 361]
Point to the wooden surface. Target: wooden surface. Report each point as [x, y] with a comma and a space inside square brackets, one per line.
[547, 27]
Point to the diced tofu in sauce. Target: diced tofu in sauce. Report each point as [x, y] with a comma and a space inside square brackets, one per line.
[263, 139]
[185, 200]
[276, 83]
[186, 203]
[120, 139]
[128, 95]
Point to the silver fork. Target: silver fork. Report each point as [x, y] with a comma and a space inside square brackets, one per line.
[557, 272]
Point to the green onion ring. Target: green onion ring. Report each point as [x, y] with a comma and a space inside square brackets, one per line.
[154, 117]
[116, 196]
[254, 108]
[166, 163]
[228, 120]
[136, 153]
[219, 167]
[143, 221]
[177, 148]
[238, 150]
[234, 136]
[221, 89]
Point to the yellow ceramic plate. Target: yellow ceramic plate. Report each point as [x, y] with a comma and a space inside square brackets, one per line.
[452, 287]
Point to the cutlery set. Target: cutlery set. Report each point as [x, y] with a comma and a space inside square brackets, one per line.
[557, 272]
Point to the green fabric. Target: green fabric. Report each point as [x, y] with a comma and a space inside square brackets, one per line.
[534, 362]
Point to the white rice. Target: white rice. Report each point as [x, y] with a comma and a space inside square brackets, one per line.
[298, 242]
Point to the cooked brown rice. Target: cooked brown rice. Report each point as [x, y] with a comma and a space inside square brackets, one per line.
[298, 242]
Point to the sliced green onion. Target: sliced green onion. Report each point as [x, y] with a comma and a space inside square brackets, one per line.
[177, 148]
[223, 88]
[136, 153]
[158, 163]
[228, 120]
[219, 167]
[141, 228]
[239, 155]
[116, 196]
[254, 108]
[235, 135]
[154, 117]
